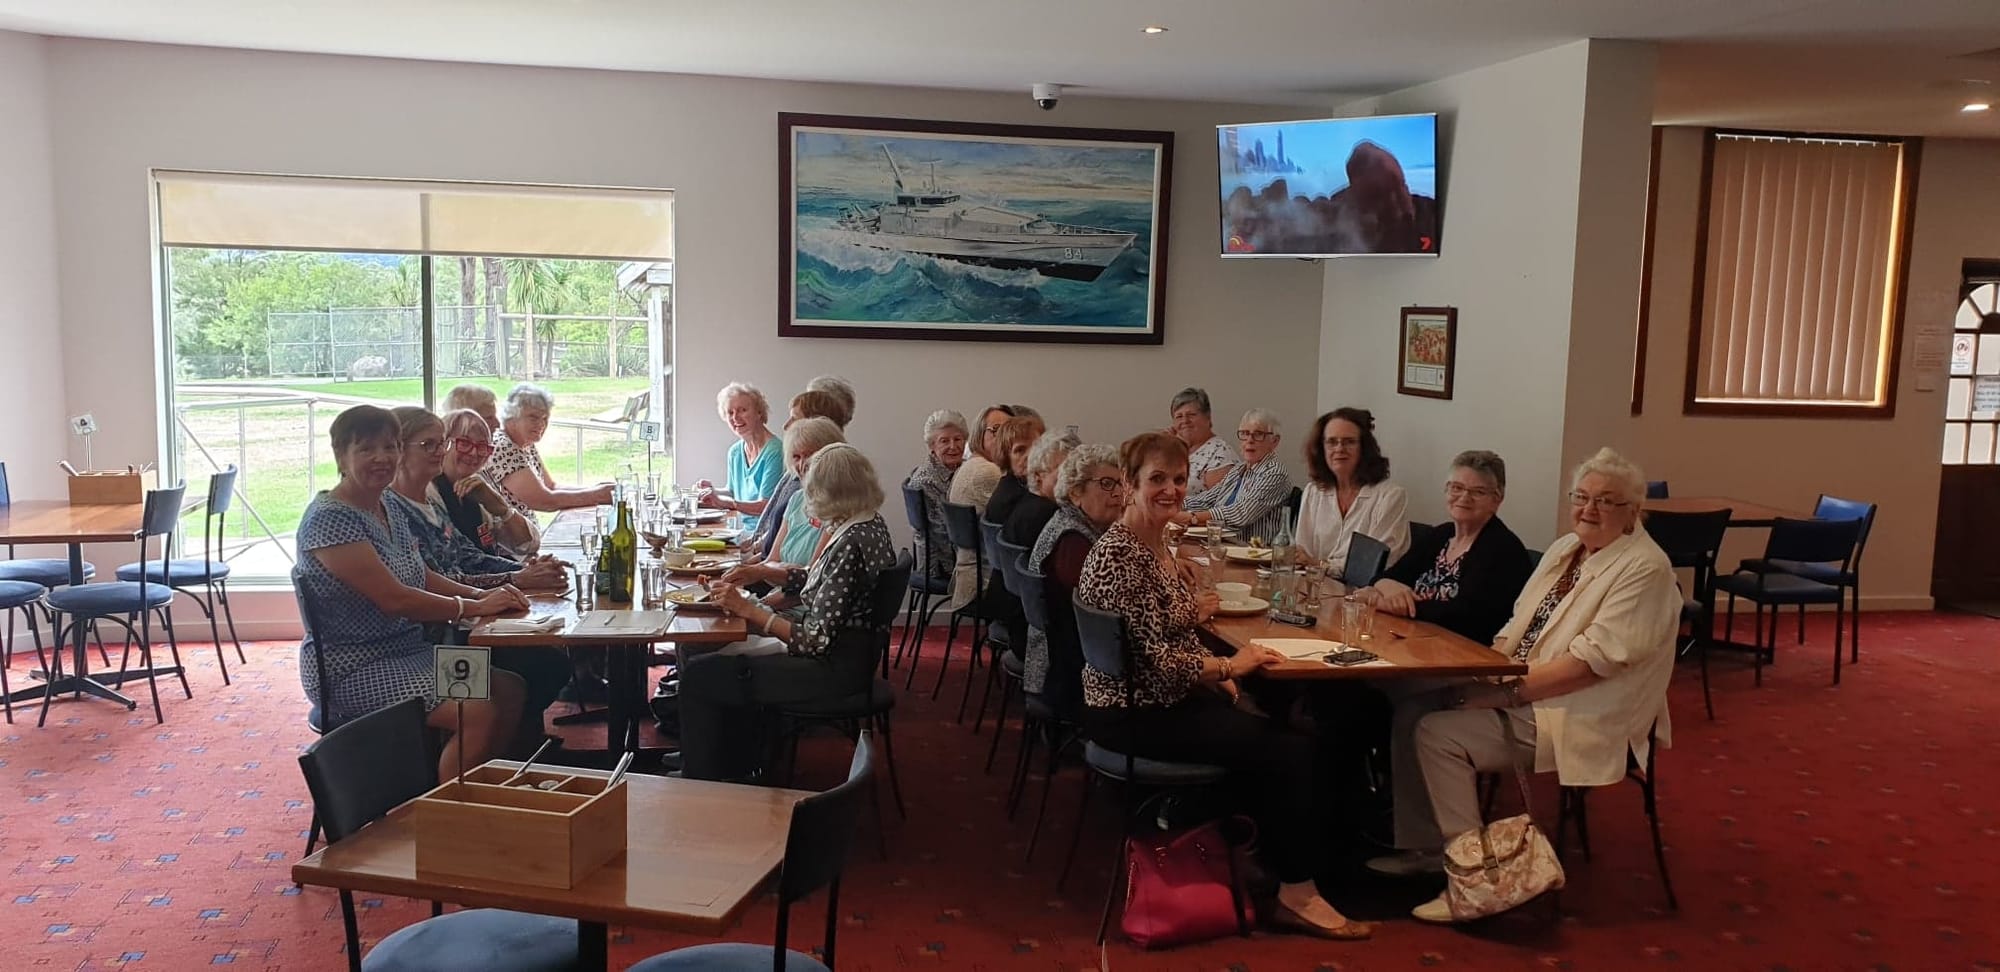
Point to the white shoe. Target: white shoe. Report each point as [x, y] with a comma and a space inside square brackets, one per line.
[1408, 863]
[1437, 911]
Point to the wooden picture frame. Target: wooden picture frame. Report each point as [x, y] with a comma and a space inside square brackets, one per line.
[935, 230]
[1427, 352]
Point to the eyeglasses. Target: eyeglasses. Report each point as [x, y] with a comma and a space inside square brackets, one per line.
[1343, 443]
[1580, 500]
[1109, 484]
[1257, 435]
[431, 445]
[1455, 490]
[470, 448]
[993, 429]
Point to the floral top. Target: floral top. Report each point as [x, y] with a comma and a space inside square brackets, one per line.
[1213, 454]
[444, 547]
[1564, 584]
[837, 593]
[1440, 583]
[1123, 577]
[508, 459]
[934, 478]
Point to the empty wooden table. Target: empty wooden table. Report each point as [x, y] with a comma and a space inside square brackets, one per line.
[696, 853]
[57, 521]
[1742, 513]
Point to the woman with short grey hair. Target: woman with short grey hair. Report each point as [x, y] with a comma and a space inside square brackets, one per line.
[516, 470]
[754, 465]
[1090, 492]
[837, 386]
[945, 435]
[821, 637]
[1025, 522]
[788, 536]
[1465, 574]
[1250, 498]
[1209, 456]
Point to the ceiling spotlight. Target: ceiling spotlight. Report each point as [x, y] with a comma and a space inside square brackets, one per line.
[1973, 106]
[1152, 30]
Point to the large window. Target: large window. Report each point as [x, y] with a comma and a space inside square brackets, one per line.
[288, 301]
[1799, 275]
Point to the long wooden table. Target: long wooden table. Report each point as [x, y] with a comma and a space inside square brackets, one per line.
[696, 853]
[56, 521]
[1742, 513]
[1412, 648]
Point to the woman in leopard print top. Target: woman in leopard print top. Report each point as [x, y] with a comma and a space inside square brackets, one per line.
[1181, 705]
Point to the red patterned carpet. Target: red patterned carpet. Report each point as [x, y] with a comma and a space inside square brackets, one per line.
[1810, 828]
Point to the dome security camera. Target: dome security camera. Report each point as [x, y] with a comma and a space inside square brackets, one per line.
[1046, 95]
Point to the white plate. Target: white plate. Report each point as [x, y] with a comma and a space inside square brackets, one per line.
[1207, 531]
[1248, 555]
[704, 565]
[692, 599]
[709, 516]
[724, 534]
[1245, 608]
[1300, 649]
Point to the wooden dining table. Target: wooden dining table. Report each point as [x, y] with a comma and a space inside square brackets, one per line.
[60, 522]
[1742, 513]
[696, 854]
[1411, 648]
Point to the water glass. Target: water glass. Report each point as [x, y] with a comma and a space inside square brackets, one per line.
[1350, 619]
[652, 487]
[1366, 622]
[654, 576]
[586, 588]
[604, 519]
[592, 540]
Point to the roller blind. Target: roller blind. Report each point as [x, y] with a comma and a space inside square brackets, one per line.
[1800, 277]
[397, 216]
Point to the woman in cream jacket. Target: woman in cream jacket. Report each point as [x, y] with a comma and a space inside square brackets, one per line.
[1595, 626]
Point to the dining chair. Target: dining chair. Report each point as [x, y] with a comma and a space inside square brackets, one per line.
[961, 525]
[1108, 649]
[1367, 558]
[1844, 574]
[922, 586]
[26, 597]
[1573, 804]
[204, 579]
[122, 602]
[1043, 713]
[1800, 541]
[1656, 489]
[49, 572]
[1006, 558]
[1002, 606]
[357, 773]
[816, 848]
[1693, 541]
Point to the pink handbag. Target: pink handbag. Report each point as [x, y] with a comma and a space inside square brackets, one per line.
[1503, 864]
[1186, 886]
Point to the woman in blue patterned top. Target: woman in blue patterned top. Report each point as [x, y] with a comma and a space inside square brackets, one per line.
[821, 637]
[372, 594]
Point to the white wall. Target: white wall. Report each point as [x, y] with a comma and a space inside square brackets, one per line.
[1515, 140]
[32, 434]
[1245, 329]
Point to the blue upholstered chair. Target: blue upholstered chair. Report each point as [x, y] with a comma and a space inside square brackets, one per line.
[26, 597]
[923, 587]
[124, 602]
[46, 571]
[1799, 542]
[204, 579]
[1003, 655]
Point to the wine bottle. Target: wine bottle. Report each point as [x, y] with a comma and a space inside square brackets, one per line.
[603, 571]
[624, 556]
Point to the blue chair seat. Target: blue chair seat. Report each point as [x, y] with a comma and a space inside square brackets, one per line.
[1823, 573]
[46, 571]
[107, 600]
[881, 698]
[1777, 588]
[727, 957]
[1151, 772]
[186, 571]
[481, 939]
[14, 593]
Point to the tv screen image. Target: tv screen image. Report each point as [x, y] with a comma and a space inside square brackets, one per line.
[1330, 187]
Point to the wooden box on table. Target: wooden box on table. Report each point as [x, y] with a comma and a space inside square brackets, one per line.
[110, 488]
[521, 835]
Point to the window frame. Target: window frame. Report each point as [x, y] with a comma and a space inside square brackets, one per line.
[1897, 297]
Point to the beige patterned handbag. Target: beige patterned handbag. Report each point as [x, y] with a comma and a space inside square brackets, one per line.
[1504, 864]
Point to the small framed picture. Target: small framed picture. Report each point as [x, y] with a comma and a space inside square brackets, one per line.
[1428, 351]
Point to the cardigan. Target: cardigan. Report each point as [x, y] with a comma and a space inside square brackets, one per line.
[1490, 575]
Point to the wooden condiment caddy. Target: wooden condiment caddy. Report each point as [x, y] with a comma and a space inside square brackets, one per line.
[111, 488]
[521, 835]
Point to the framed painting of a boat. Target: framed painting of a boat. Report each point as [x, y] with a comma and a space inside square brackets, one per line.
[899, 228]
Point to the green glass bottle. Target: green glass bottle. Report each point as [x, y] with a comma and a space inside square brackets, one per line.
[624, 546]
[603, 568]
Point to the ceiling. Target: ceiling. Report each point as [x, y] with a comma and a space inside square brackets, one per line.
[1835, 65]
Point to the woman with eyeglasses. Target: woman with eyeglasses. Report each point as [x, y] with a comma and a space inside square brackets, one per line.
[1463, 579]
[1089, 488]
[1350, 492]
[478, 511]
[1250, 498]
[516, 469]
[1595, 626]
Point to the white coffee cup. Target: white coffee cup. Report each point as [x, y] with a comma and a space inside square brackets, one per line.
[1233, 593]
[677, 556]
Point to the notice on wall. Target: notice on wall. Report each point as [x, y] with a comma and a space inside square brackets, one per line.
[1928, 354]
[1986, 394]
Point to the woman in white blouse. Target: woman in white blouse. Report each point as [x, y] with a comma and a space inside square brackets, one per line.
[1350, 492]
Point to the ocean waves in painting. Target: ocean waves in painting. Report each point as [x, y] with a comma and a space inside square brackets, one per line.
[840, 281]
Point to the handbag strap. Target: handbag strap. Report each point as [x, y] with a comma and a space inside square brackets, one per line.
[1520, 775]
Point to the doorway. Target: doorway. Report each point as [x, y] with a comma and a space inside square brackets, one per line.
[1965, 570]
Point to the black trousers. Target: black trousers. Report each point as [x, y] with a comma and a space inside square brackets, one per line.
[546, 671]
[1274, 763]
[723, 698]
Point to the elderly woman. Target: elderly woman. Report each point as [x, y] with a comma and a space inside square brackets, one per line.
[480, 514]
[1181, 696]
[1017, 437]
[826, 645]
[1209, 456]
[754, 463]
[372, 596]
[838, 387]
[818, 403]
[797, 537]
[1350, 492]
[979, 475]
[807, 404]
[1595, 625]
[415, 496]
[516, 469]
[477, 398]
[1089, 487]
[1250, 498]
[1024, 523]
[970, 488]
[1463, 579]
[945, 436]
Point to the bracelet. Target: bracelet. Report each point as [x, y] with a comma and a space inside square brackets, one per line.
[460, 603]
[769, 618]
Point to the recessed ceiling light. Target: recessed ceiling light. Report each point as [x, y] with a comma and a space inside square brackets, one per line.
[1152, 30]
[1973, 106]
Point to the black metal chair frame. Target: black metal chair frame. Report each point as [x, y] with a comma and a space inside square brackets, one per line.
[9, 635]
[1062, 733]
[973, 610]
[1813, 539]
[918, 612]
[1573, 803]
[48, 613]
[1693, 541]
[989, 549]
[160, 518]
[1848, 577]
[214, 591]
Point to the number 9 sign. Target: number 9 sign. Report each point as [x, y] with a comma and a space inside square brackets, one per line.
[464, 674]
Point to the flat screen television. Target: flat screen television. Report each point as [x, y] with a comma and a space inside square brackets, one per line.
[1331, 187]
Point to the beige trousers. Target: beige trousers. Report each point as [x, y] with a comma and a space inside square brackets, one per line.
[1437, 755]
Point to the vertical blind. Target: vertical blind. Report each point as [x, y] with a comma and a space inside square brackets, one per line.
[1800, 276]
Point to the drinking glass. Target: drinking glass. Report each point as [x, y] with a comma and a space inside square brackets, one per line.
[1367, 622]
[591, 542]
[586, 588]
[1350, 619]
[604, 519]
[652, 487]
[654, 576]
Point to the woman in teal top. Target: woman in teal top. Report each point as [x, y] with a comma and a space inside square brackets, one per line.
[798, 534]
[756, 460]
